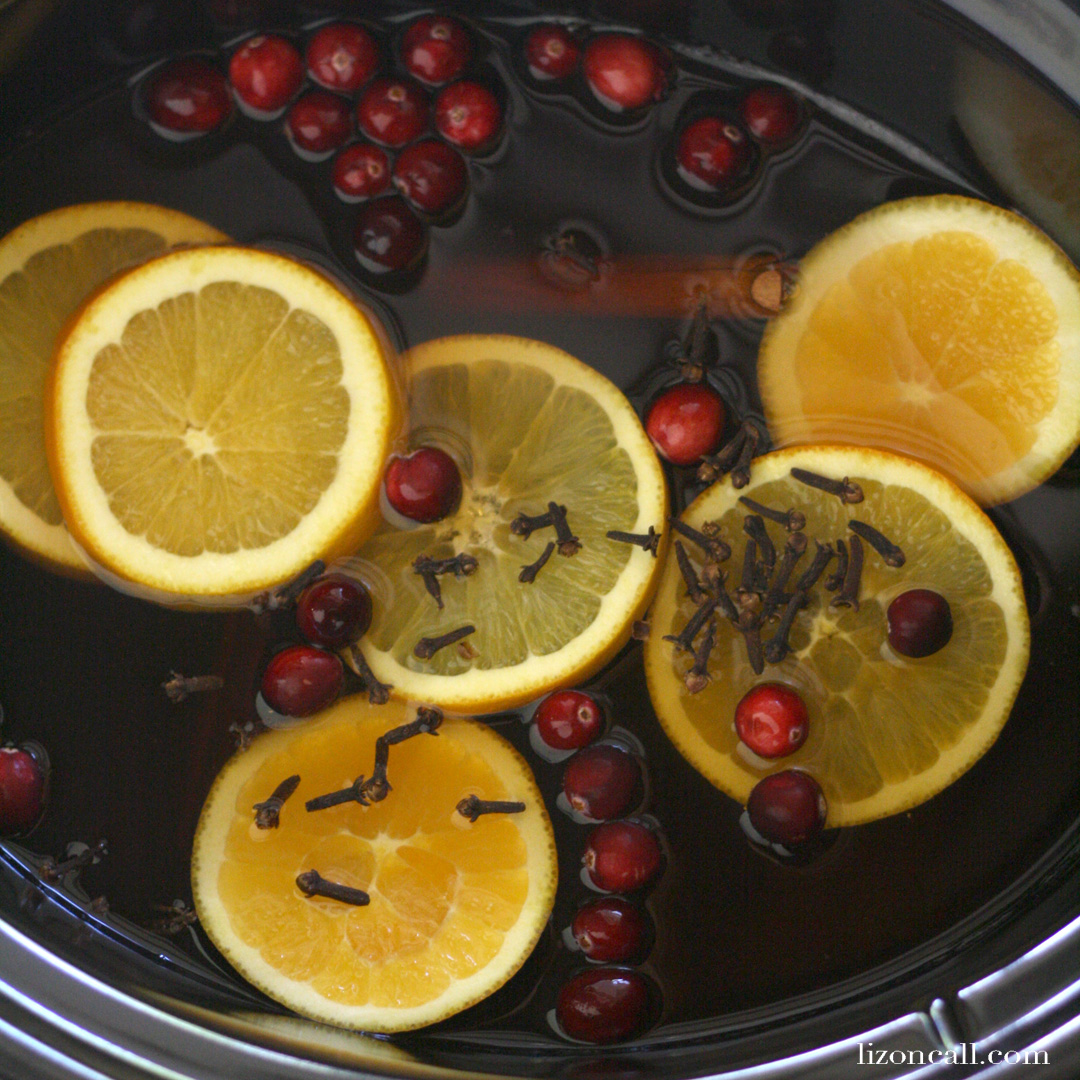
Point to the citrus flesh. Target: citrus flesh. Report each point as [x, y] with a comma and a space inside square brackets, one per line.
[885, 732]
[529, 425]
[216, 420]
[940, 327]
[455, 907]
[48, 267]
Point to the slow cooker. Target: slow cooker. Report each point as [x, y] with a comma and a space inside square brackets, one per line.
[960, 962]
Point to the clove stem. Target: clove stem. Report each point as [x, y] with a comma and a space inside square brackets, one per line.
[427, 647]
[754, 527]
[649, 541]
[686, 568]
[180, 687]
[848, 596]
[890, 553]
[528, 573]
[568, 543]
[471, 807]
[845, 490]
[697, 678]
[792, 520]
[836, 579]
[378, 692]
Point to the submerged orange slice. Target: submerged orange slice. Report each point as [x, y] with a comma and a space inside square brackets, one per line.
[944, 328]
[455, 907]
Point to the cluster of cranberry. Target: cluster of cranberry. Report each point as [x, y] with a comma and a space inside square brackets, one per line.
[604, 780]
[396, 135]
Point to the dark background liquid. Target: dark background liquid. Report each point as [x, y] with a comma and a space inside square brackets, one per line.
[81, 666]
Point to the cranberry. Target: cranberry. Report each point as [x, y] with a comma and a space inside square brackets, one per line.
[603, 1005]
[24, 787]
[772, 720]
[624, 72]
[188, 97]
[387, 237]
[425, 486]
[601, 781]
[392, 112]
[361, 171]
[787, 807]
[920, 623]
[265, 72]
[435, 49]
[569, 719]
[468, 115]
[686, 422]
[302, 680]
[610, 930]
[551, 52]
[333, 610]
[622, 856]
[770, 114]
[318, 123]
[431, 176]
[342, 56]
[712, 153]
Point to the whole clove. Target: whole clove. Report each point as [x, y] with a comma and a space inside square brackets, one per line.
[697, 678]
[889, 552]
[472, 807]
[312, 883]
[649, 541]
[848, 596]
[268, 812]
[427, 647]
[568, 543]
[792, 520]
[528, 573]
[378, 692]
[836, 579]
[847, 491]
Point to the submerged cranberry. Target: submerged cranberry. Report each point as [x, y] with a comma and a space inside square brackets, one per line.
[624, 72]
[333, 610]
[188, 96]
[302, 680]
[24, 787]
[685, 422]
[435, 49]
[712, 153]
[601, 781]
[265, 72]
[770, 114]
[342, 56]
[772, 720]
[920, 623]
[611, 930]
[431, 175]
[319, 122]
[604, 1005]
[468, 114]
[787, 807]
[622, 856]
[388, 237]
[392, 112]
[569, 719]
[551, 52]
[361, 171]
[425, 486]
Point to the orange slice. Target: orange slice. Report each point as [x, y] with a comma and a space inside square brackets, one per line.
[456, 907]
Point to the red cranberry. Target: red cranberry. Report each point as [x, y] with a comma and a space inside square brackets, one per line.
[333, 610]
[265, 72]
[623, 72]
[610, 930]
[920, 623]
[302, 680]
[551, 52]
[622, 856]
[425, 486]
[772, 720]
[601, 781]
[431, 176]
[392, 112]
[188, 97]
[712, 153]
[770, 114]
[435, 49]
[604, 1005]
[388, 237]
[686, 422]
[787, 807]
[361, 171]
[342, 56]
[569, 719]
[318, 123]
[468, 115]
[24, 788]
